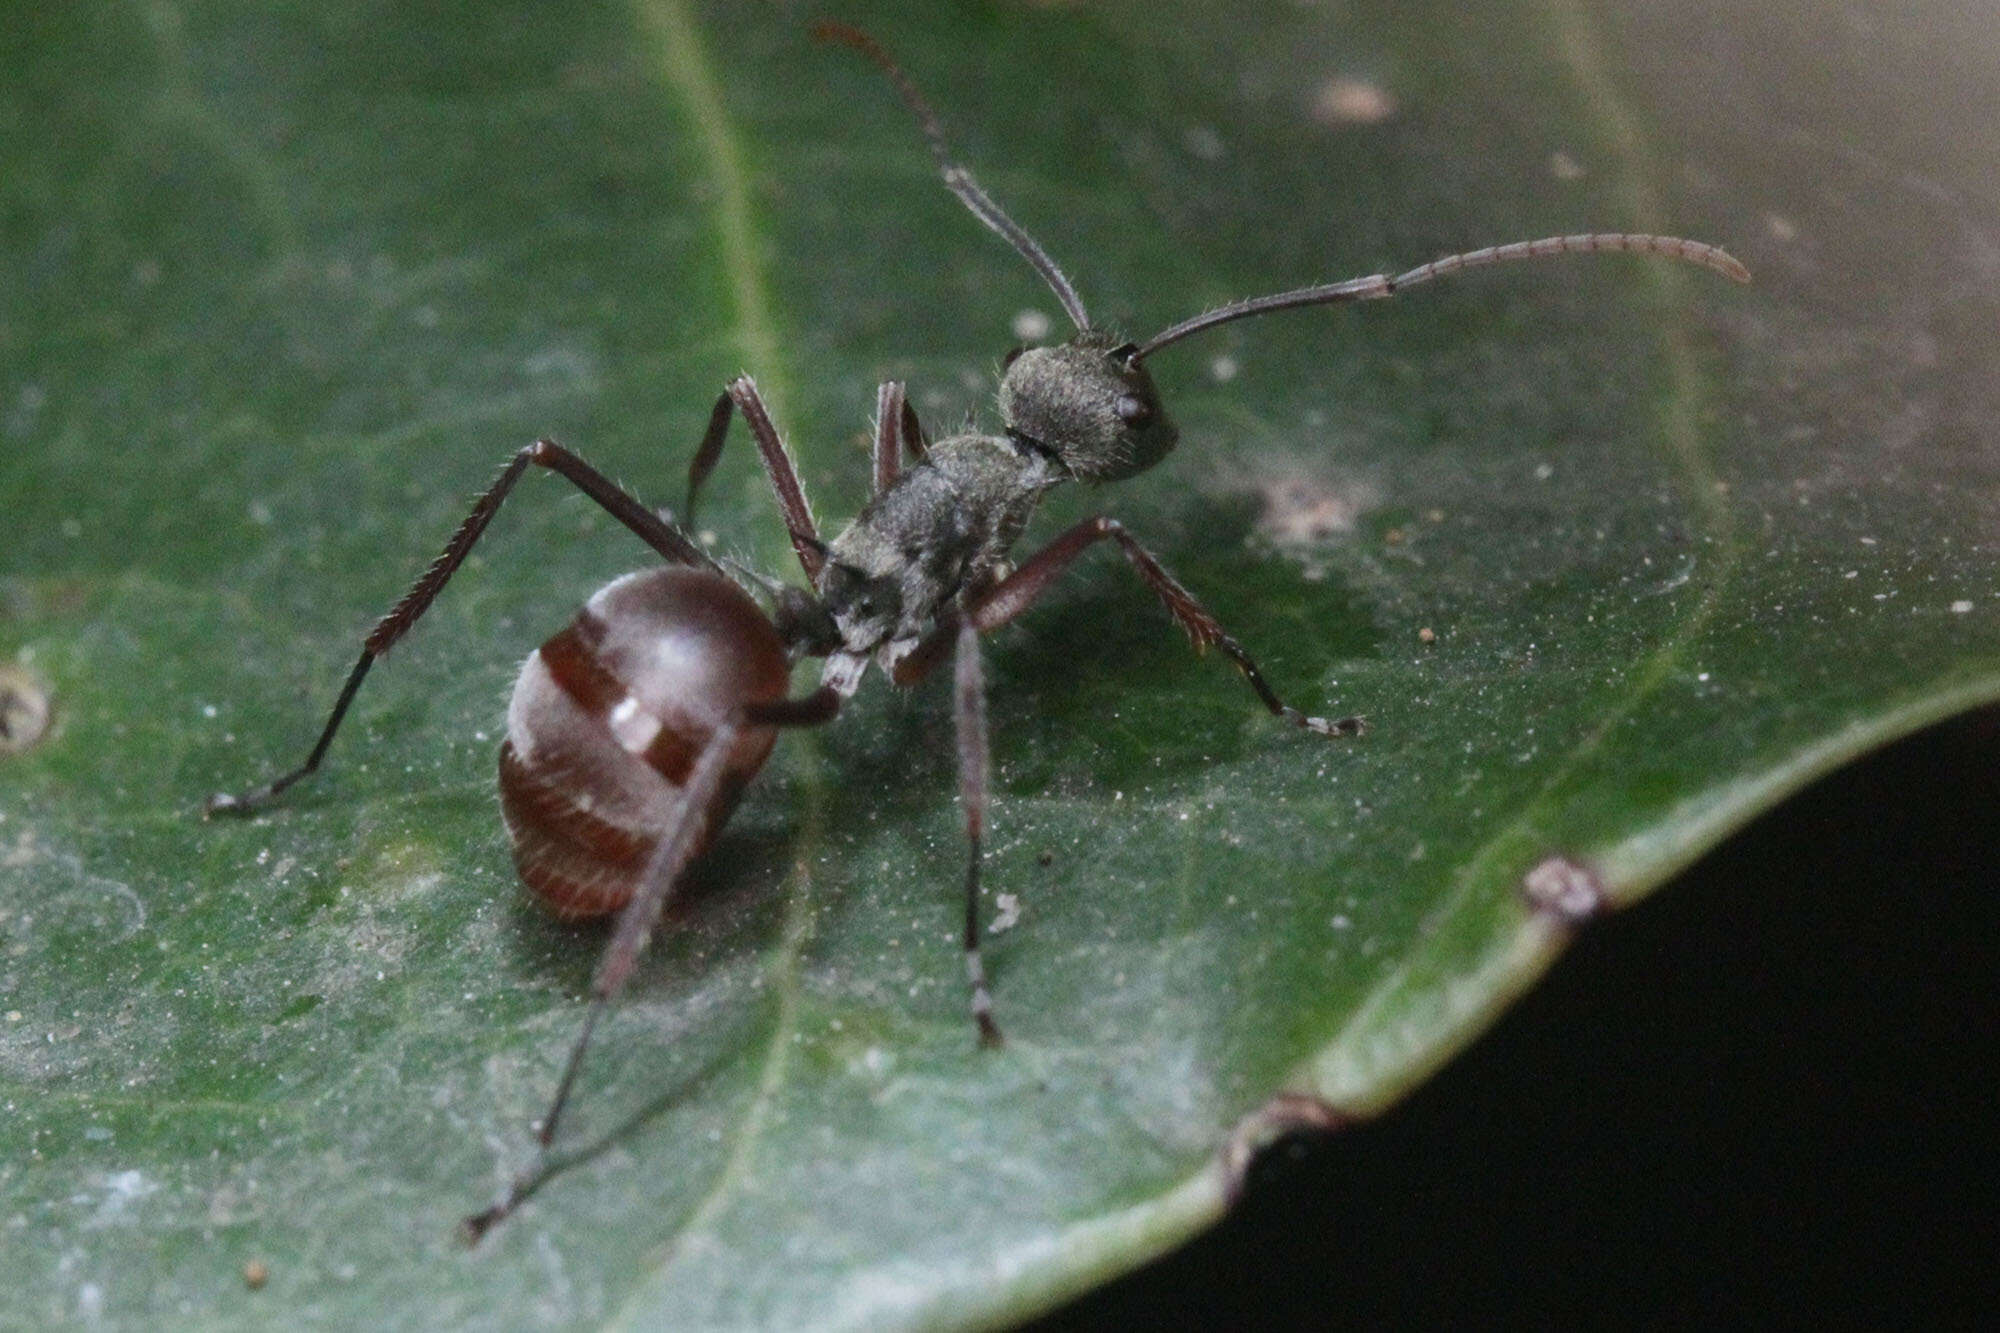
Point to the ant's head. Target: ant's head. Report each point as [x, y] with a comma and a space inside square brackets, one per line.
[1090, 402]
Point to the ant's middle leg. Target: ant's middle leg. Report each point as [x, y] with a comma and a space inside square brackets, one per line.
[897, 432]
[662, 536]
[1020, 590]
[890, 404]
[742, 396]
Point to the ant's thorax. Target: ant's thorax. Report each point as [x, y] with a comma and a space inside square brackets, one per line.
[947, 523]
[1082, 410]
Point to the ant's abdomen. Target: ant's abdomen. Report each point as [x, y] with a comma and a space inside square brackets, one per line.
[609, 716]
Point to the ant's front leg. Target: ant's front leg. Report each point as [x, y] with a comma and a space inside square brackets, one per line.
[662, 536]
[1018, 591]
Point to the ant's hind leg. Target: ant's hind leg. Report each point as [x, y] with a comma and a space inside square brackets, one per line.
[685, 835]
[662, 536]
[1020, 590]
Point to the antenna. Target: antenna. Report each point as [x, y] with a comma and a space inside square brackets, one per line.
[957, 178]
[1378, 286]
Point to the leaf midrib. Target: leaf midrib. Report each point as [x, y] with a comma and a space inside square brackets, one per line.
[685, 68]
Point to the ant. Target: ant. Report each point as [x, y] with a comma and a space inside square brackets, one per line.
[632, 732]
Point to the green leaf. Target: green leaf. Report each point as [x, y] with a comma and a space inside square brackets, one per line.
[284, 284]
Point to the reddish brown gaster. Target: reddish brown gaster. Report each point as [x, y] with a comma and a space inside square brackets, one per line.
[607, 718]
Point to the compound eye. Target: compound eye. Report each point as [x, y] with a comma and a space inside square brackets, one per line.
[1133, 410]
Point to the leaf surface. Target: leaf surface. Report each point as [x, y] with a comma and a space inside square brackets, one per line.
[1611, 554]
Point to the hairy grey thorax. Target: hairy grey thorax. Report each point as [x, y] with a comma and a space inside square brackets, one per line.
[947, 521]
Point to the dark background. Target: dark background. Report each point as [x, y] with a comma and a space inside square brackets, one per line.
[1763, 1094]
